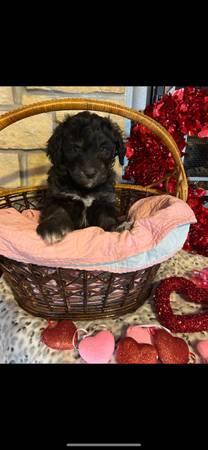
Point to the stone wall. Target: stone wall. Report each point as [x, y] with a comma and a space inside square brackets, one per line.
[22, 157]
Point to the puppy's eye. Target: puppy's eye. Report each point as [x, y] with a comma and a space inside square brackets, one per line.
[105, 151]
[76, 148]
[104, 148]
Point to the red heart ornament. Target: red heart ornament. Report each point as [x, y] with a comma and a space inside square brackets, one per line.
[130, 352]
[171, 349]
[52, 323]
[180, 323]
[60, 336]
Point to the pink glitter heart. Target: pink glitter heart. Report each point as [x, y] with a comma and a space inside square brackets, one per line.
[139, 334]
[202, 350]
[97, 349]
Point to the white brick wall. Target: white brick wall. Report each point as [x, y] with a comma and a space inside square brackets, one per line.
[33, 132]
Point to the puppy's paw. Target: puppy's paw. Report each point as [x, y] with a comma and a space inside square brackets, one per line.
[51, 233]
[124, 226]
[108, 223]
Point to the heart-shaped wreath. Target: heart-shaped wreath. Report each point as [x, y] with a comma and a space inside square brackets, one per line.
[185, 323]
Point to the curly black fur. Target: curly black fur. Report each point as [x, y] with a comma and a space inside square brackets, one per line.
[80, 192]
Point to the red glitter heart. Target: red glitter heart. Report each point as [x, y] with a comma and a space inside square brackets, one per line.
[185, 323]
[60, 336]
[52, 323]
[130, 352]
[171, 349]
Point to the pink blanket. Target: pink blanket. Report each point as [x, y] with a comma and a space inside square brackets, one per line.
[154, 217]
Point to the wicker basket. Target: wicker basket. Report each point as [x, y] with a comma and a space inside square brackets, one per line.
[79, 294]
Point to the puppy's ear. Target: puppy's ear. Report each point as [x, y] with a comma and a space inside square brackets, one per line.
[117, 136]
[55, 145]
[120, 146]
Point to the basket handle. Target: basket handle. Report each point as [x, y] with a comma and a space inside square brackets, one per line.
[103, 106]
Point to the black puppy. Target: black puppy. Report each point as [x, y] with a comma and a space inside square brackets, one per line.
[80, 192]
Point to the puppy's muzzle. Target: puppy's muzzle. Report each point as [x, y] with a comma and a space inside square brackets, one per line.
[90, 173]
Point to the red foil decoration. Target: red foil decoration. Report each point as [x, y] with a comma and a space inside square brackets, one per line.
[197, 240]
[185, 112]
[199, 277]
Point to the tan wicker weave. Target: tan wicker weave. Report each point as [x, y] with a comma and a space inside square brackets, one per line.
[79, 294]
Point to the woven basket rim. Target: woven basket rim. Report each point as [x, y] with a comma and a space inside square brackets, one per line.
[103, 106]
[61, 293]
[27, 189]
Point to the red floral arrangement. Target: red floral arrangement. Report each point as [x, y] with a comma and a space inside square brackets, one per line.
[185, 112]
[197, 240]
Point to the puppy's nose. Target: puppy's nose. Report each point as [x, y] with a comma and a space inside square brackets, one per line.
[90, 172]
